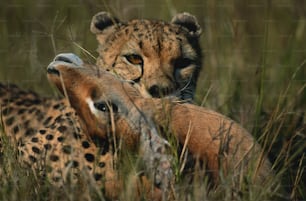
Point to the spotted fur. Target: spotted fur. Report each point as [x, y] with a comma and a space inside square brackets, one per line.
[50, 140]
[163, 58]
[37, 125]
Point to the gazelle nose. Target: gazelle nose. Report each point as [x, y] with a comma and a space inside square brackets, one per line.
[52, 70]
[69, 58]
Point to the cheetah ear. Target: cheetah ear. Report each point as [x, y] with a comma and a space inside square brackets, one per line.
[102, 21]
[188, 21]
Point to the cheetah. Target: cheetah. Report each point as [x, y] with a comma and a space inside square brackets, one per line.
[23, 113]
[219, 143]
[162, 58]
[60, 148]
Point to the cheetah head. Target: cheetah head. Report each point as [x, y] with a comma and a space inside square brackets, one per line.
[162, 58]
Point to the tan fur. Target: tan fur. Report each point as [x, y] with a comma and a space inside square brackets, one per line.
[129, 124]
[169, 52]
[211, 137]
[220, 143]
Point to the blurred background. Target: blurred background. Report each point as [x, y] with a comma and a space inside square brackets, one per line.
[254, 65]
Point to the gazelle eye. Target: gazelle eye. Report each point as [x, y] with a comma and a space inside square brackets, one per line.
[101, 106]
[104, 107]
[134, 59]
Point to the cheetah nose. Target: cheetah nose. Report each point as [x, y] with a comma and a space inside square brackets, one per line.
[69, 58]
[157, 91]
[154, 91]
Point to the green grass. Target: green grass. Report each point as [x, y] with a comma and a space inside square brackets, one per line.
[254, 72]
[21, 183]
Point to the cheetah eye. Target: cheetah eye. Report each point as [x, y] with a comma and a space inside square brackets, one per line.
[134, 59]
[183, 62]
[104, 107]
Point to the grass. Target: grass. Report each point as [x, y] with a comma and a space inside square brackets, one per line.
[254, 72]
[20, 183]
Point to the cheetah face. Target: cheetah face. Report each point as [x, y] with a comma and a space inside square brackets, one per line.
[162, 58]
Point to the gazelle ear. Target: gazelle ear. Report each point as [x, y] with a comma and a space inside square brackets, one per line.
[189, 22]
[102, 21]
